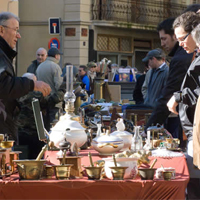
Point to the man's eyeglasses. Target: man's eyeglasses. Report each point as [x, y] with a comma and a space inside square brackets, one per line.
[184, 38]
[17, 31]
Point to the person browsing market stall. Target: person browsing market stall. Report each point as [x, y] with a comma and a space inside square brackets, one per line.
[158, 76]
[187, 95]
[41, 55]
[82, 75]
[12, 87]
[180, 62]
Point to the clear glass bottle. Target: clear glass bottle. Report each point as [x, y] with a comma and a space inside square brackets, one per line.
[98, 130]
[137, 140]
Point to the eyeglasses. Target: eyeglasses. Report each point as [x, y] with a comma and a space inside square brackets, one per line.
[184, 38]
[17, 31]
[80, 70]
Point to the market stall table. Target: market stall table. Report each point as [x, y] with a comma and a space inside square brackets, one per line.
[12, 188]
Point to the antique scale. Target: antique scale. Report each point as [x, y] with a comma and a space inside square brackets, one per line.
[7, 156]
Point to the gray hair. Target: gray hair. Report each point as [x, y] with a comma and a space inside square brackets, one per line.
[196, 34]
[5, 16]
[30, 76]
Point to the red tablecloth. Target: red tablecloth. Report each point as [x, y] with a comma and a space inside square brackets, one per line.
[12, 188]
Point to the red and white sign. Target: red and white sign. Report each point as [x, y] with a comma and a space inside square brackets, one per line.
[54, 42]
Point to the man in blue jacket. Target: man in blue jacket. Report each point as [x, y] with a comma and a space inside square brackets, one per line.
[82, 72]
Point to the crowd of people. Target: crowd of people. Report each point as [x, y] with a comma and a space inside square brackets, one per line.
[169, 87]
[175, 104]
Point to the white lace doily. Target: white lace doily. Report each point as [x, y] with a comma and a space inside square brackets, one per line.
[166, 153]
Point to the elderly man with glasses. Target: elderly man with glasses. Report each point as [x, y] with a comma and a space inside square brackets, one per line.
[12, 87]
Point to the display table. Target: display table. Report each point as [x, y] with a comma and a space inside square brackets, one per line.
[12, 188]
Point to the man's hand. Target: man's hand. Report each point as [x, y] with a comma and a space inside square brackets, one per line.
[172, 104]
[42, 87]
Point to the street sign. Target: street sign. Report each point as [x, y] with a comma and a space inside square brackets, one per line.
[54, 26]
[54, 42]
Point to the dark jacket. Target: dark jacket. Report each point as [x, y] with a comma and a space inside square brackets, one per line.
[190, 91]
[178, 67]
[11, 88]
[33, 67]
[157, 82]
[137, 92]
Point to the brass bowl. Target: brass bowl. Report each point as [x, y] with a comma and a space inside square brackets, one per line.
[30, 169]
[62, 172]
[118, 172]
[167, 175]
[147, 173]
[94, 173]
[48, 171]
[7, 144]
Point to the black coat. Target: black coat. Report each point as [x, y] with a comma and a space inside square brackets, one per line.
[137, 92]
[190, 90]
[33, 67]
[11, 88]
[178, 67]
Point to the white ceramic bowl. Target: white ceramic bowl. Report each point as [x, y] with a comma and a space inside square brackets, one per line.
[131, 163]
[107, 145]
[126, 137]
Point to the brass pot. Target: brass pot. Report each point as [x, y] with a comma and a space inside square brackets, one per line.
[7, 144]
[167, 175]
[30, 169]
[118, 172]
[94, 173]
[48, 171]
[62, 172]
[147, 173]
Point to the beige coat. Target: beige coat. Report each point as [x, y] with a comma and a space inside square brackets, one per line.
[196, 136]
